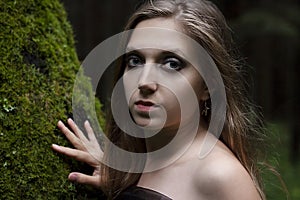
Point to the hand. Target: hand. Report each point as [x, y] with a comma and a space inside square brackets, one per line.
[87, 151]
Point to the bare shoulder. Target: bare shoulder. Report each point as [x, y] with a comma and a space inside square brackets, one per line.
[221, 176]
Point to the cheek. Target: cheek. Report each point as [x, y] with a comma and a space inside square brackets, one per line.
[129, 85]
[198, 85]
[172, 107]
[189, 96]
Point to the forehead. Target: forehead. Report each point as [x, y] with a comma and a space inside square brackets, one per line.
[160, 22]
[159, 33]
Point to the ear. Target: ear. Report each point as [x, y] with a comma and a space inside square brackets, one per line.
[204, 94]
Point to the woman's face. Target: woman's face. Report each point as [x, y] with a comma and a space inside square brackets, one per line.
[152, 76]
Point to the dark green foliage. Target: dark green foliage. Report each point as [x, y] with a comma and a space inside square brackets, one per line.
[38, 64]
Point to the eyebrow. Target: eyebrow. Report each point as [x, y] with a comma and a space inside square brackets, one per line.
[164, 51]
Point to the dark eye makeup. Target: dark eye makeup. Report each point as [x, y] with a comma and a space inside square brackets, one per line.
[133, 60]
[168, 61]
[173, 63]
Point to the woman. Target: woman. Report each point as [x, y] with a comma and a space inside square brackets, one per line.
[229, 171]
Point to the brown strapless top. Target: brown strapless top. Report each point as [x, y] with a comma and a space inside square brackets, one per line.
[140, 193]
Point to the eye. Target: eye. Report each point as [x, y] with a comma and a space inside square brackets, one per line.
[134, 61]
[173, 64]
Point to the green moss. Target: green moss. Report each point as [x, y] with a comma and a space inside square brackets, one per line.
[37, 69]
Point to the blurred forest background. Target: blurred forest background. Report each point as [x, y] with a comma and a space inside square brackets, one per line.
[267, 34]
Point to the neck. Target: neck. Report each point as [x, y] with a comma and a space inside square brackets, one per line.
[171, 143]
[160, 139]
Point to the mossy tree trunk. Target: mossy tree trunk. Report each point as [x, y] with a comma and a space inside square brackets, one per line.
[37, 69]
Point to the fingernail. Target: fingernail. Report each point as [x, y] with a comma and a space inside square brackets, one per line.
[55, 146]
[73, 177]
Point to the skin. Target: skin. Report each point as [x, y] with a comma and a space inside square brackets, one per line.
[80, 153]
[217, 176]
[146, 64]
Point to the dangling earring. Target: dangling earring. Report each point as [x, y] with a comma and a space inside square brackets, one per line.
[205, 109]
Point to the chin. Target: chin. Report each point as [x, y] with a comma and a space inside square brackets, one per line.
[149, 124]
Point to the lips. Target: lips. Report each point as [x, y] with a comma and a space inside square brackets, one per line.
[144, 105]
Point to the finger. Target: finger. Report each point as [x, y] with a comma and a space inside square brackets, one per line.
[94, 148]
[90, 131]
[85, 179]
[76, 154]
[70, 135]
[77, 130]
[92, 137]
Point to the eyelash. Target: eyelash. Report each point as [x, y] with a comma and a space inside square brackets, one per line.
[136, 61]
[131, 58]
[174, 60]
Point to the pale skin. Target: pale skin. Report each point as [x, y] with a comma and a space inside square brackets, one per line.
[217, 176]
[77, 138]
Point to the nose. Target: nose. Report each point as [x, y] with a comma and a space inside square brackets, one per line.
[147, 82]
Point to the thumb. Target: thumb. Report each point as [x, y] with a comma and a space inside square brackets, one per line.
[84, 179]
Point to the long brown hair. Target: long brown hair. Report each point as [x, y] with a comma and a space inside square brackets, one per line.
[202, 21]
